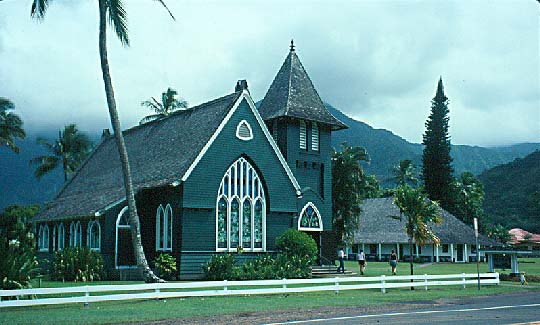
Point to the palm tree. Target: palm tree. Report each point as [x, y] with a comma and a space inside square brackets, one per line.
[11, 125]
[168, 104]
[404, 173]
[113, 11]
[69, 150]
[348, 184]
[418, 211]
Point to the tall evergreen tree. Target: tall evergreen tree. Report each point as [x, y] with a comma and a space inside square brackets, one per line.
[436, 161]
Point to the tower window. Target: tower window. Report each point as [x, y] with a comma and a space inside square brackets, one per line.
[314, 136]
[303, 140]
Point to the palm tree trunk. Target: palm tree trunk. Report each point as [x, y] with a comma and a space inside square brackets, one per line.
[411, 259]
[149, 276]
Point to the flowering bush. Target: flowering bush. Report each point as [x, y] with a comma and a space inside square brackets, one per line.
[165, 266]
[79, 264]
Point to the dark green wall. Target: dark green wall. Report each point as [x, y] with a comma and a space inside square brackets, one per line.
[200, 189]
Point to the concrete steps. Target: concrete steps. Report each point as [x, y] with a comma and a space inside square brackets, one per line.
[328, 271]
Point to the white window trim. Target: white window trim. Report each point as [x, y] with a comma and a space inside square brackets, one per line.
[161, 230]
[75, 234]
[60, 236]
[315, 136]
[303, 135]
[92, 224]
[244, 122]
[120, 214]
[241, 196]
[43, 242]
[317, 213]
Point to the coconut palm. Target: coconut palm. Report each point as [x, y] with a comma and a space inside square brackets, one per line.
[169, 103]
[404, 173]
[418, 211]
[348, 184]
[11, 125]
[113, 12]
[69, 151]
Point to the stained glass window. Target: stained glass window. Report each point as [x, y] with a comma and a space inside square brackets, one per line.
[310, 218]
[246, 225]
[240, 209]
[235, 223]
[258, 225]
[222, 223]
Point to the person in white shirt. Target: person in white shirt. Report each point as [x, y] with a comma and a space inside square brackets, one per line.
[362, 261]
[341, 256]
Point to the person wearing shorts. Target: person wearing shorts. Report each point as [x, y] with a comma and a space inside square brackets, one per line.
[393, 262]
[362, 261]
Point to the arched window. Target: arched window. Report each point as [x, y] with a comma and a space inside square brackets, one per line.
[94, 235]
[241, 209]
[243, 131]
[310, 218]
[75, 234]
[164, 225]
[43, 238]
[59, 237]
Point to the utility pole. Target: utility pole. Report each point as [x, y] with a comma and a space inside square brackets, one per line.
[477, 251]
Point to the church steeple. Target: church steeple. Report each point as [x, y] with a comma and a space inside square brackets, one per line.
[292, 94]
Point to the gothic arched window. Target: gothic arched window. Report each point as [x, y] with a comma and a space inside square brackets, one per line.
[241, 209]
[164, 224]
[310, 218]
[94, 235]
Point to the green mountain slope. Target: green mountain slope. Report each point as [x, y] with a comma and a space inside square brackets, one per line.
[386, 149]
[509, 193]
[18, 185]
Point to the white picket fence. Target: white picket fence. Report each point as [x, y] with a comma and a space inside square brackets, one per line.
[84, 294]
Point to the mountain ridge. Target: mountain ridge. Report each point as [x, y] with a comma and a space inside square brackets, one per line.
[19, 186]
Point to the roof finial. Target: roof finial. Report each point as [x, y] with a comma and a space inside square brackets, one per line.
[292, 45]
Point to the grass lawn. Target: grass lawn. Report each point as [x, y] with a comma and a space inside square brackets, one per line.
[148, 310]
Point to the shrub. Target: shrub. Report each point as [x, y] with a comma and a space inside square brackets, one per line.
[79, 264]
[296, 243]
[18, 264]
[166, 266]
[261, 268]
[220, 267]
[292, 267]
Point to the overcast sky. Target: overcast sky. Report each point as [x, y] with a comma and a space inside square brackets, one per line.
[378, 62]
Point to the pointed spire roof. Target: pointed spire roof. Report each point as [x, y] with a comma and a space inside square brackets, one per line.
[292, 94]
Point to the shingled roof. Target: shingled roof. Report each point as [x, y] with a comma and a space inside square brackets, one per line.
[376, 226]
[160, 152]
[292, 94]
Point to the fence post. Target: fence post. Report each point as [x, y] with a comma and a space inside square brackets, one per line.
[86, 295]
[225, 285]
[463, 274]
[383, 283]
[425, 281]
[157, 290]
[284, 284]
[337, 285]
[497, 277]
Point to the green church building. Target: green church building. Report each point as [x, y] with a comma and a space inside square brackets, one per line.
[213, 178]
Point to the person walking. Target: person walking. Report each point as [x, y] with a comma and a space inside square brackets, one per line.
[393, 262]
[362, 261]
[341, 256]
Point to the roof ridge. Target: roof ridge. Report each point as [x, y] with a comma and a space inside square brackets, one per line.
[290, 82]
